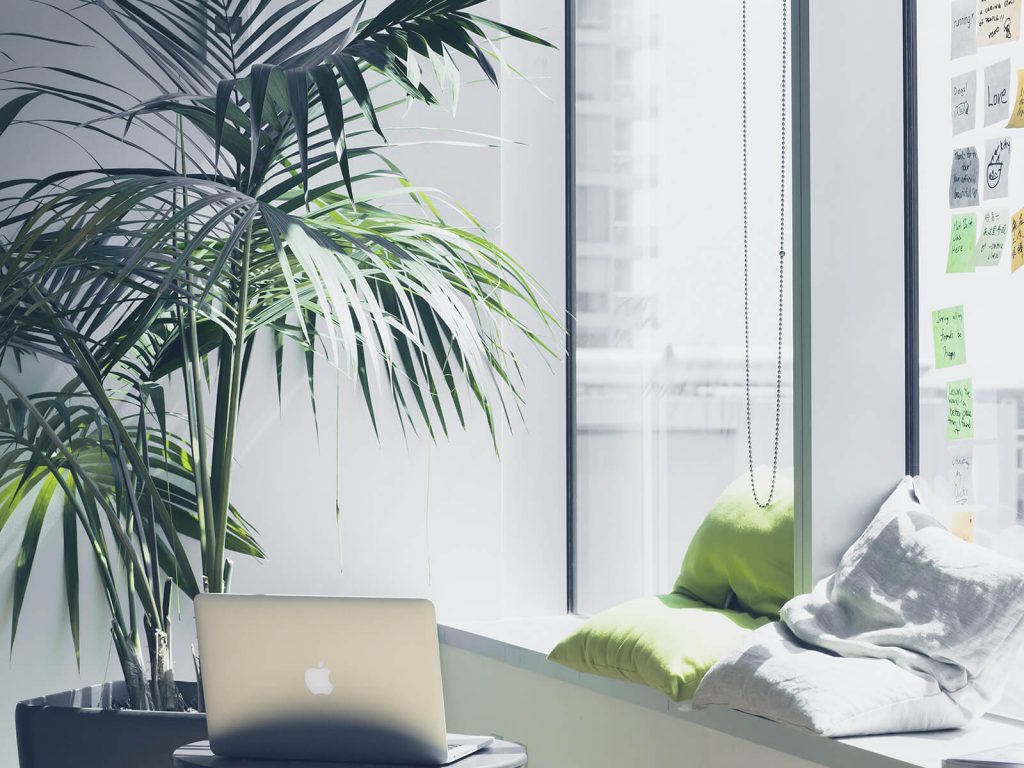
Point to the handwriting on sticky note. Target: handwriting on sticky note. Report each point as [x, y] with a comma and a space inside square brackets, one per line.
[961, 473]
[997, 92]
[998, 21]
[961, 243]
[1017, 241]
[960, 410]
[997, 168]
[1017, 111]
[948, 334]
[963, 40]
[962, 95]
[963, 178]
[995, 225]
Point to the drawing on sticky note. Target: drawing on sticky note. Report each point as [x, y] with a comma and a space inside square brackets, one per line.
[949, 337]
[998, 21]
[995, 225]
[960, 410]
[963, 178]
[962, 95]
[997, 168]
[961, 243]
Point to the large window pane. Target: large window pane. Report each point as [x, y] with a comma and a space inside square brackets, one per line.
[970, 298]
[660, 399]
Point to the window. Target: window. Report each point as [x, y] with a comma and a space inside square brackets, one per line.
[660, 413]
[971, 372]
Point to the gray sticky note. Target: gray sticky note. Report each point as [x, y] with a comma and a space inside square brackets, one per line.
[997, 92]
[962, 99]
[997, 167]
[963, 178]
[964, 39]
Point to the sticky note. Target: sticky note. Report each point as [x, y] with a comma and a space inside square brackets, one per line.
[1017, 111]
[962, 95]
[997, 167]
[964, 41]
[960, 410]
[961, 522]
[961, 243]
[995, 225]
[948, 334]
[961, 474]
[997, 92]
[1017, 241]
[963, 178]
[998, 21]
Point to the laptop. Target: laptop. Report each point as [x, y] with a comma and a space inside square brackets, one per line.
[331, 679]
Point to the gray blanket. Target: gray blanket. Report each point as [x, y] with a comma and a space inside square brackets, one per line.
[916, 630]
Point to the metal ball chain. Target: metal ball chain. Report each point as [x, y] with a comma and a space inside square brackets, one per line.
[782, 263]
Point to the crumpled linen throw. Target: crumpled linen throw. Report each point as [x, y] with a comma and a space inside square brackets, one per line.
[916, 630]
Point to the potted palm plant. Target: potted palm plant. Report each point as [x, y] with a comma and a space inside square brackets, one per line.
[252, 205]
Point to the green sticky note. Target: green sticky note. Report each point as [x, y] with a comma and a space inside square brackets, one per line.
[962, 238]
[948, 333]
[960, 410]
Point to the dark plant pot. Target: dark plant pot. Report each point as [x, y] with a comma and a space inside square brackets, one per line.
[79, 729]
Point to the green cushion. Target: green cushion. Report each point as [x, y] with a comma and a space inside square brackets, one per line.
[743, 549]
[666, 642]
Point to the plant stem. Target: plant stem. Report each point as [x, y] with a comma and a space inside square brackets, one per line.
[234, 398]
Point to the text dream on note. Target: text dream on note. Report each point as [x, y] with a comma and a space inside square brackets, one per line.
[948, 334]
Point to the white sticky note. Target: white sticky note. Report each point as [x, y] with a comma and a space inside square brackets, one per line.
[994, 226]
[963, 178]
[997, 92]
[997, 167]
[961, 473]
[964, 41]
[998, 21]
[962, 100]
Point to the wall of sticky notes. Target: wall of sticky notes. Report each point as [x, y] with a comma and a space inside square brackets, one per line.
[971, 248]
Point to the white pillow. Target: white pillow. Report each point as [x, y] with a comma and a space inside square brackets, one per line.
[932, 621]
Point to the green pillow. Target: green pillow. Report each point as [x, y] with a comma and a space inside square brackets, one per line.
[744, 550]
[666, 642]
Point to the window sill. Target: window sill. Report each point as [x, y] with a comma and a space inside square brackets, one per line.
[524, 643]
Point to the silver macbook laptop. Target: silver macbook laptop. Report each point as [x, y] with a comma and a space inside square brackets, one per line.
[334, 679]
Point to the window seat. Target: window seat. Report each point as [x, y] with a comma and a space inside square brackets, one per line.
[525, 642]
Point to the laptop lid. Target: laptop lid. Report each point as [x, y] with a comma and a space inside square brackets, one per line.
[322, 678]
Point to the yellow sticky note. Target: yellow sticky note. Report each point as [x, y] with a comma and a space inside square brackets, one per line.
[1017, 241]
[1017, 112]
[962, 524]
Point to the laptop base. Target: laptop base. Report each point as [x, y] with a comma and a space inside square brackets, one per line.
[486, 753]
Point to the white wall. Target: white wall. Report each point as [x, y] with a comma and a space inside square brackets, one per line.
[482, 536]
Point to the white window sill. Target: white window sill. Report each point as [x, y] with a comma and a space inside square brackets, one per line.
[524, 643]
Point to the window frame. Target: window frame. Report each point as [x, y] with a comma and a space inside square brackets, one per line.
[801, 32]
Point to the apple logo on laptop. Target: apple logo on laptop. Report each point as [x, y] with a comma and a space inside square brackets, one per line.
[318, 680]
